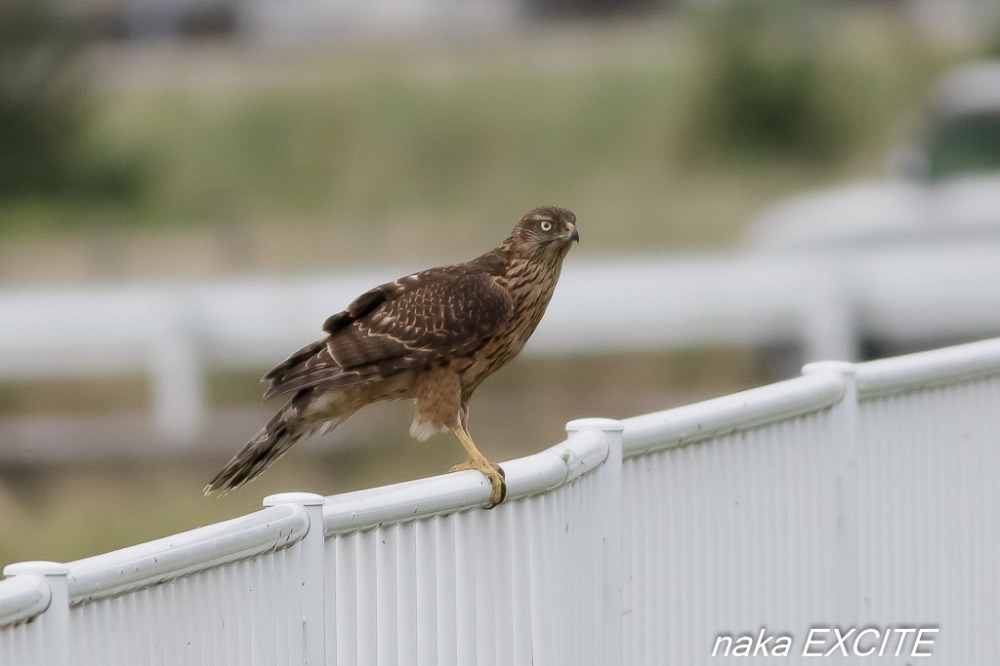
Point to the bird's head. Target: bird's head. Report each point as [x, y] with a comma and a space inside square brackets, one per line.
[548, 230]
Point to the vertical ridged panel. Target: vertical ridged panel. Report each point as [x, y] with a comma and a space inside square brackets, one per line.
[23, 600]
[513, 585]
[930, 507]
[243, 612]
[728, 535]
[23, 644]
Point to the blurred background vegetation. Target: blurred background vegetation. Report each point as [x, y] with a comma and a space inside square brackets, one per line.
[209, 156]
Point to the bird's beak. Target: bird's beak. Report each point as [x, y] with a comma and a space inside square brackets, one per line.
[574, 235]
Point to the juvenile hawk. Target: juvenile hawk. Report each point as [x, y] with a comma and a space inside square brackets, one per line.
[433, 336]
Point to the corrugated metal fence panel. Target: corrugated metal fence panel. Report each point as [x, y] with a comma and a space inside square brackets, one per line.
[433, 585]
[23, 600]
[726, 508]
[222, 595]
[244, 612]
[929, 455]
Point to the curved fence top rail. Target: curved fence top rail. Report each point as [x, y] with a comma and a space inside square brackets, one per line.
[556, 466]
[195, 550]
[925, 369]
[739, 411]
[22, 598]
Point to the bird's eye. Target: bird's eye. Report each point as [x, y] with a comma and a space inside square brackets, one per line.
[546, 225]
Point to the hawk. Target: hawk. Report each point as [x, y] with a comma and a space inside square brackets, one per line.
[432, 337]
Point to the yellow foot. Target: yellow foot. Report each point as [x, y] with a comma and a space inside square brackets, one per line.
[493, 473]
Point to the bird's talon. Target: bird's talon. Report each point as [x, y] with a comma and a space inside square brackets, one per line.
[498, 481]
[502, 491]
[494, 474]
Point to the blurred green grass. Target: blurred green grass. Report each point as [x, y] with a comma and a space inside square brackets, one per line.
[426, 149]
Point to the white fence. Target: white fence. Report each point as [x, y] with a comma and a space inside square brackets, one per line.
[826, 304]
[857, 495]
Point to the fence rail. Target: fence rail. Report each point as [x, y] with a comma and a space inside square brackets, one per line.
[22, 598]
[826, 305]
[855, 495]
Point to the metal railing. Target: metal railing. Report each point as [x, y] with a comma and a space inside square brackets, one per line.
[856, 495]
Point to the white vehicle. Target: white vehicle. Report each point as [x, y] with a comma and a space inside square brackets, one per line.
[946, 187]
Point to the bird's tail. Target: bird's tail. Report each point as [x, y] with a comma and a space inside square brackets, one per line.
[273, 440]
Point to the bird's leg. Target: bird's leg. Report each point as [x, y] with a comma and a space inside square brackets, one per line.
[477, 461]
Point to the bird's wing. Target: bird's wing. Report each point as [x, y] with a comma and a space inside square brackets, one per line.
[419, 320]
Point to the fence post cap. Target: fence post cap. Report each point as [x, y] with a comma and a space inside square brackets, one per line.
[607, 425]
[839, 367]
[37, 567]
[305, 499]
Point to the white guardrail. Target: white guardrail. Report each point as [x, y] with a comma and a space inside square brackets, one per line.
[857, 496]
[826, 304]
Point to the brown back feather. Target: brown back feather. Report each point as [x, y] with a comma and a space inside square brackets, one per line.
[415, 321]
